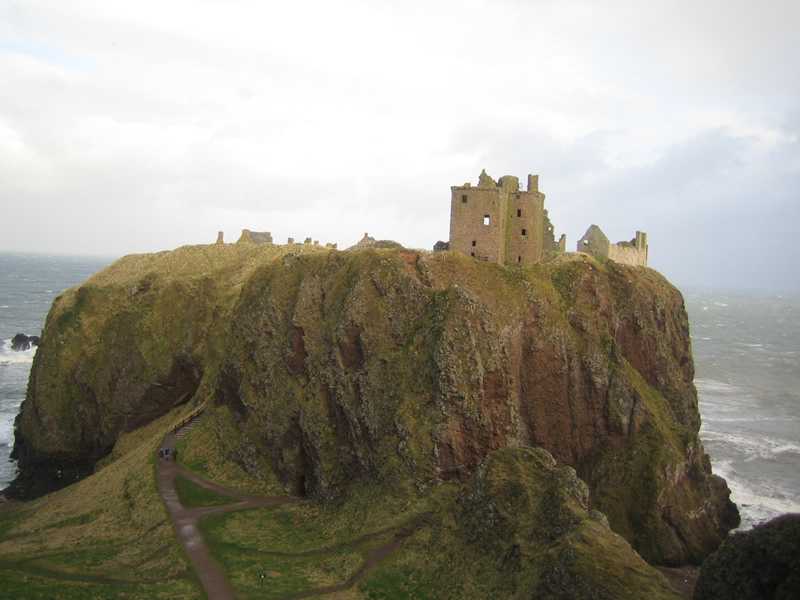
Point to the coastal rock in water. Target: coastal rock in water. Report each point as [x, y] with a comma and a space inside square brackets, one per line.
[760, 564]
[391, 366]
[22, 342]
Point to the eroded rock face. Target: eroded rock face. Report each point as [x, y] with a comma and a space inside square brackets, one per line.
[399, 367]
[532, 516]
[416, 367]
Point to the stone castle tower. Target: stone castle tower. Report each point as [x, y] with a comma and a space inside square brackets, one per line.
[498, 222]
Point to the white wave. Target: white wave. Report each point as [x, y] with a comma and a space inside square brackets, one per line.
[7, 428]
[755, 505]
[752, 419]
[13, 357]
[712, 385]
[751, 447]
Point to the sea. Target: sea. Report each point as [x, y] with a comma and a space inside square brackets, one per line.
[28, 285]
[747, 359]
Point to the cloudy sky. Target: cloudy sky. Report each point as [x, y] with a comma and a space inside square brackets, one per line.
[138, 126]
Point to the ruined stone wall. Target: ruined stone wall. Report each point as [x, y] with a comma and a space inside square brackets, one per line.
[633, 253]
[497, 222]
[255, 237]
[525, 228]
[478, 222]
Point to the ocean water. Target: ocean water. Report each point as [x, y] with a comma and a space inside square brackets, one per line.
[746, 350]
[28, 284]
[747, 361]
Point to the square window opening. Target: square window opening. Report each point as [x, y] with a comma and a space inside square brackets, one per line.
[472, 254]
[487, 219]
[474, 243]
[524, 232]
[519, 212]
[464, 199]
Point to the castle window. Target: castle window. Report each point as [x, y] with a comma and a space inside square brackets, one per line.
[474, 243]
[472, 254]
[519, 259]
[487, 219]
[524, 232]
[464, 199]
[519, 212]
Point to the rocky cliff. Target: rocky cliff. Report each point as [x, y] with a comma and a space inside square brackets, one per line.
[391, 366]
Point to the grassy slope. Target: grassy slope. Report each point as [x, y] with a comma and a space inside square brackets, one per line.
[192, 495]
[278, 552]
[107, 536]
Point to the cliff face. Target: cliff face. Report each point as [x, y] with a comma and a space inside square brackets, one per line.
[400, 367]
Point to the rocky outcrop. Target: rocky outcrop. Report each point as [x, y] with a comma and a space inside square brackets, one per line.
[532, 520]
[121, 350]
[22, 342]
[398, 367]
[760, 564]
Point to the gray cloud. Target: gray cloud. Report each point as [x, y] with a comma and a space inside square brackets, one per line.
[134, 128]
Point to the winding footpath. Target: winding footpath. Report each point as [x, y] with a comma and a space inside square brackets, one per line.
[209, 572]
[185, 520]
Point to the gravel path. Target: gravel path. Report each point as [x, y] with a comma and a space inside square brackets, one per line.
[208, 570]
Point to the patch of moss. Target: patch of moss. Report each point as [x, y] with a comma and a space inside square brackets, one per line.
[192, 495]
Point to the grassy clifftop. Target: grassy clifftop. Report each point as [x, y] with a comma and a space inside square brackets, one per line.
[386, 367]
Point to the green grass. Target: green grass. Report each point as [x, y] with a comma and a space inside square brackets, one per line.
[192, 495]
[28, 581]
[395, 583]
[275, 552]
[107, 536]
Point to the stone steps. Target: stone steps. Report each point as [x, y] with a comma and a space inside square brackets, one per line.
[184, 430]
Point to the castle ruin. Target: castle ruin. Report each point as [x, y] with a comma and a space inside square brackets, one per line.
[633, 253]
[498, 222]
[255, 237]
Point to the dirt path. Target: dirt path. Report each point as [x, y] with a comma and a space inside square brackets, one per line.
[209, 572]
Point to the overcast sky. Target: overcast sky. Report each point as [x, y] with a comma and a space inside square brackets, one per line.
[138, 126]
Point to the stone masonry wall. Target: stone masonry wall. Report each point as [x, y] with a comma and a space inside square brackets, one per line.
[497, 222]
[478, 222]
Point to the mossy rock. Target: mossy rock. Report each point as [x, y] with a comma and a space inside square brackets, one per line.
[760, 564]
[327, 370]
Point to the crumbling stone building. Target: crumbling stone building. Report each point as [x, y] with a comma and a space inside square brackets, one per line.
[255, 237]
[633, 253]
[498, 222]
